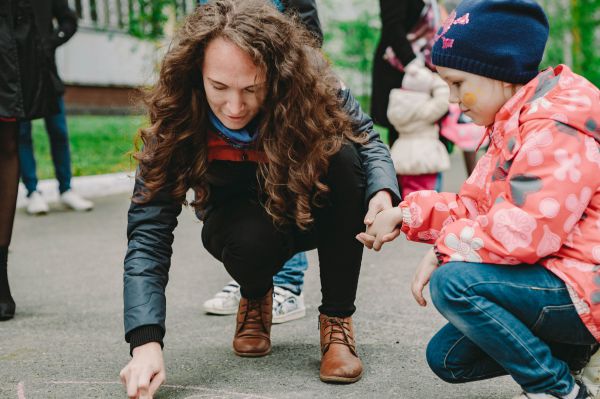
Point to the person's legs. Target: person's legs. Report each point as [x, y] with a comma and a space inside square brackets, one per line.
[36, 204]
[9, 183]
[27, 157]
[291, 275]
[337, 224]
[456, 359]
[56, 126]
[242, 235]
[340, 256]
[508, 315]
[288, 301]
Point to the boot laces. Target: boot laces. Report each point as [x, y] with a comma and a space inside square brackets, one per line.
[252, 313]
[337, 325]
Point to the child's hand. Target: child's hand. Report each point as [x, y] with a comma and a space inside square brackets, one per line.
[422, 275]
[385, 228]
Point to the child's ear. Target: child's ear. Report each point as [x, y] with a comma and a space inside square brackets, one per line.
[510, 89]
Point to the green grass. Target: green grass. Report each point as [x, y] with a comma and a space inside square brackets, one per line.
[99, 144]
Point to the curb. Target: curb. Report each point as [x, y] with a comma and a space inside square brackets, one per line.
[87, 186]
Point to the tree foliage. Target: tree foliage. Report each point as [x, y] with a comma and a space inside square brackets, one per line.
[357, 40]
[574, 36]
[147, 18]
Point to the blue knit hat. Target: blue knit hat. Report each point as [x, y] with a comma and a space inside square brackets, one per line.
[499, 39]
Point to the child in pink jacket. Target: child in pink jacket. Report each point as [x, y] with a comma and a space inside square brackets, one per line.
[517, 250]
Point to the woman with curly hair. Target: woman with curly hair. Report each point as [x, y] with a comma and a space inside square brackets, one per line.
[281, 159]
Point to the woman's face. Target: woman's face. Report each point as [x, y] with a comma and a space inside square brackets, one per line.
[234, 86]
[480, 98]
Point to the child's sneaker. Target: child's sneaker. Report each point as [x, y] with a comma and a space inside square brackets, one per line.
[225, 302]
[287, 306]
[590, 375]
[579, 392]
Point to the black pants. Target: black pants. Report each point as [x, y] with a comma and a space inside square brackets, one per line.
[242, 235]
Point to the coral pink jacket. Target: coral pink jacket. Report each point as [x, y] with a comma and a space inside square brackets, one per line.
[534, 197]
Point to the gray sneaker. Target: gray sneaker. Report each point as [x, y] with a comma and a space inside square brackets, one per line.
[287, 306]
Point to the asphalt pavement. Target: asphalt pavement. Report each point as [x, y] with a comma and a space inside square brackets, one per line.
[66, 340]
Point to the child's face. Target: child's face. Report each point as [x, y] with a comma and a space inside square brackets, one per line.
[480, 98]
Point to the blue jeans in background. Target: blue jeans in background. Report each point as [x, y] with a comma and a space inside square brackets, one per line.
[291, 275]
[517, 320]
[56, 127]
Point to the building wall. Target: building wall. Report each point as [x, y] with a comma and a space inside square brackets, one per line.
[99, 58]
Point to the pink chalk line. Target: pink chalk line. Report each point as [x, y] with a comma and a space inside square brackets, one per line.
[21, 390]
[190, 387]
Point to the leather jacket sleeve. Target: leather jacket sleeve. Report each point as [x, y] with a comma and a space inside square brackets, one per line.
[375, 156]
[67, 23]
[150, 229]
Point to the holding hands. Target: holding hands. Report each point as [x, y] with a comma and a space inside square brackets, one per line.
[385, 228]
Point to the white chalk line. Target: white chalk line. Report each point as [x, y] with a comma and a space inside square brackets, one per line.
[21, 390]
[189, 387]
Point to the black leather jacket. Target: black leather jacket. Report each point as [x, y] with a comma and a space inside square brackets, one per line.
[150, 233]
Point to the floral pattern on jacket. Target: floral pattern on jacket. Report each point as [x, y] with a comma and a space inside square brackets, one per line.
[534, 197]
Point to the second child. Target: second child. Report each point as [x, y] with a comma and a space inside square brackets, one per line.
[415, 111]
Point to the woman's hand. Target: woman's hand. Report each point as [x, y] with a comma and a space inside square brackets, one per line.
[385, 228]
[145, 372]
[422, 275]
[381, 201]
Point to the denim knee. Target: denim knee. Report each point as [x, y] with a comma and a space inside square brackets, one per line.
[436, 359]
[447, 284]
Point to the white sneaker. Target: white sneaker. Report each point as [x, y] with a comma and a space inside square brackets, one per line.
[74, 201]
[36, 205]
[591, 375]
[226, 301]
[287, 306]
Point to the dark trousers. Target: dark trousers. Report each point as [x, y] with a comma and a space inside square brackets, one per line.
[242, 235]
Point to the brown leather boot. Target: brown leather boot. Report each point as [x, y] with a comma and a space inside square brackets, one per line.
[253, 329]
[339, 361]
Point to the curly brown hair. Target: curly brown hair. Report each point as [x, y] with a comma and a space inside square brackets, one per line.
[302, 122]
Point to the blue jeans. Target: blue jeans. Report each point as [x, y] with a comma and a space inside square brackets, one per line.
[516, 320]
[291, 275]
[56, 127]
